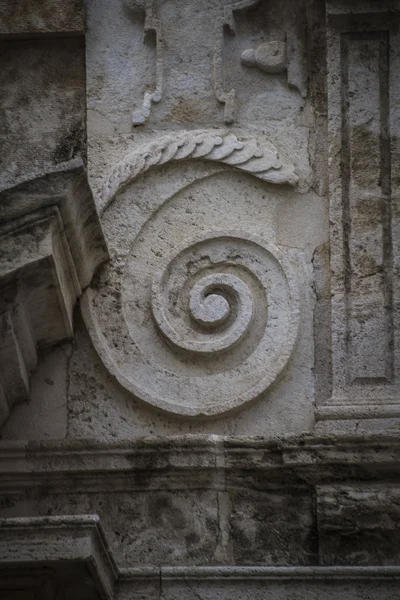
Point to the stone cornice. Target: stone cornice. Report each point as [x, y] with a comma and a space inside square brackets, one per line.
[201, 462]
[65, 541]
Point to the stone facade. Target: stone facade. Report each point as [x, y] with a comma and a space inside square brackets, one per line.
[199, 315]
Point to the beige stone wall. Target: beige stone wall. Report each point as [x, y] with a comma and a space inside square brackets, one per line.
[199, 337]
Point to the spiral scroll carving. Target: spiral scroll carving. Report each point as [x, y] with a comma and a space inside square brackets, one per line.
[225, 313]
[211, 308]
[197, 312]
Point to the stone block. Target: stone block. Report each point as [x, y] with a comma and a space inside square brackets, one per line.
[149, 528]
[359, 524]
[274, 527]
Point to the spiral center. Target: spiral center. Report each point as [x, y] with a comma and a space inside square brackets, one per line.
[210, 309]
[210, 315]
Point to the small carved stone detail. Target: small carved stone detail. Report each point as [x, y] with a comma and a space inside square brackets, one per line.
[219, 305]
[152, 24]
[243, 154]
[226, 20]
[278, 56]
[269, 57]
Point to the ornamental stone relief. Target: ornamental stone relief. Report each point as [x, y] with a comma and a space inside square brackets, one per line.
[198, 311]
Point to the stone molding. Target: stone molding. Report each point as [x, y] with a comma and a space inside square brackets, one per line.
[51, 243]
[363, 48]
[36, 551]
[161, 463]
[34, 542]
[243, 153]
[233, 573]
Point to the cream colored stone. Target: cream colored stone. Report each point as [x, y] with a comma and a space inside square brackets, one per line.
[201, 242]
[239, 304]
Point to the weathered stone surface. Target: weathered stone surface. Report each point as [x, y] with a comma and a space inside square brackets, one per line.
[279, 584]
[181, 55]
[82, 566]
[155, 527]
[45, 416]
[42, 100]
[195, 363]
[75, 549]
[229, 404]
[28, 17]
[199, 501]
[50, 245]
[273, 527]
[363, 51]
[359, 524]
[269, 57]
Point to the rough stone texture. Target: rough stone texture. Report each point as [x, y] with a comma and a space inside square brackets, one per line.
[229, 403]
[51, 244]
[172, 351]
[199, 218]
[76, 549]
[363, 51]
[45, 415]
[83, 567]
[274, 527]
[327, 586]
[42, 99]
[193, 70]
[359, 524]
[28, 18]
[211, 500]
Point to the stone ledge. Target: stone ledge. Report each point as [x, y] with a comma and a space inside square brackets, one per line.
[227, 573]
[65, 544]
[51, 552]
[181, 462]
[232, 583]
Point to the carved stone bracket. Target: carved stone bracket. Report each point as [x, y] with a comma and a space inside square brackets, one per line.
[197, 313]
[50, 245]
